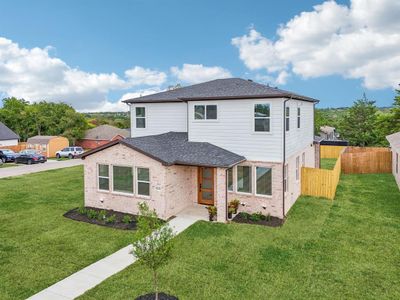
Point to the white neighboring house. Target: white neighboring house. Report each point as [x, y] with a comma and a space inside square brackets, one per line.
[207, 144]
[394, 141]
[7, 136]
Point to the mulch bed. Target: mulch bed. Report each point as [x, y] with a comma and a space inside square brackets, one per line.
[75, 215]
[270, 221]
[152, 296]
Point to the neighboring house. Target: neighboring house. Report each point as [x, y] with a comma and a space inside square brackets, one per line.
[101, 135]
[207, 143]
[330, 137]
[7, 136]
[47, 145]
[394, 141]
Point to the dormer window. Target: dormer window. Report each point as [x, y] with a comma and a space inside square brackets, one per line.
[140, 117]
[262, 117]
[205, 112]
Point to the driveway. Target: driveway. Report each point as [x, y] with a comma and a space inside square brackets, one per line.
[28, 169]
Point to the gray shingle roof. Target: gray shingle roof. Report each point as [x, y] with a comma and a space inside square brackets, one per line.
[394, 140]
[105, 132]
[173, 148]
[231, 88]
[7, 134]
[40, 139]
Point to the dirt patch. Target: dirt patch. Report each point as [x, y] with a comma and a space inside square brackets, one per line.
[152, 296]
[77, 215]
[264, 221]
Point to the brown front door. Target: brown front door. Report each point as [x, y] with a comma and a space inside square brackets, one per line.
[206, 186]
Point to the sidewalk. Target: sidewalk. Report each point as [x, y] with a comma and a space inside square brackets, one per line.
[87, 278]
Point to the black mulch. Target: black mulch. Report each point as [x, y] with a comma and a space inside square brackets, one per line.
[75, 215]
[267, 221]
[161, 296]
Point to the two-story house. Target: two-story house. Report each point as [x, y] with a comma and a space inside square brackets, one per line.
[207, 143]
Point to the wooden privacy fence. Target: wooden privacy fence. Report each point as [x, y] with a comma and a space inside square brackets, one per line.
[366, 160]
[331, 151]
[320, 182]
[17, 148]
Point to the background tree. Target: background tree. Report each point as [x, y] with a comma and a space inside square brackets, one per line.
[153, 246]
[358, 124]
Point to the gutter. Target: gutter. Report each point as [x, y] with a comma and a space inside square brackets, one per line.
[284, 156]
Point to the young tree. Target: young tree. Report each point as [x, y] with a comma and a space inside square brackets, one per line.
[153, 246]
[396, 112]
[358, 125]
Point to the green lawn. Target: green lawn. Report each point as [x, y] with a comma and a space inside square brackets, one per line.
[342, 249]
[38, 246]
[8, 165]
[328, 163]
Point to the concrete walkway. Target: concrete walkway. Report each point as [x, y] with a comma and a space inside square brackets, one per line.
[28, 169]
[87, 278]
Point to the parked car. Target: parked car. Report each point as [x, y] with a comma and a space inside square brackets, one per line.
[7, 155]
[30, 156]
[70, 152]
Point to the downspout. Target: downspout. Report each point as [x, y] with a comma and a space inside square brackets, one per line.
[226, 194]
[284, 156]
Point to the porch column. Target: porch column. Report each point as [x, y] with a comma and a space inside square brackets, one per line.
[220, 202]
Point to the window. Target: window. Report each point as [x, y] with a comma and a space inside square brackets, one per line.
[143, 181]
[298, 117]
[264, 181]
[303, 159]
[285, 178]
[287, 118]
[44, 147]
[140, 117]
[230, 180]
[103, 178]
[205, 112]
[122, 179]
[397, 163]
[244, 179]
[262, 118]
[297, 168]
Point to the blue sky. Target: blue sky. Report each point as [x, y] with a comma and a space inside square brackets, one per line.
[114, 36]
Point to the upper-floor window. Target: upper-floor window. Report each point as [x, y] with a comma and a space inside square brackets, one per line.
[298, 117]
[140, 117]
[205, 112]
[262, 117]
[287, 118]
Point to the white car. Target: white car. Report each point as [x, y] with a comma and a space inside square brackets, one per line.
[70, 152]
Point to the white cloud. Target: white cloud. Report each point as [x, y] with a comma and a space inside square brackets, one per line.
[140, 76]
[359, 41]
[34, 75]
[198, 73]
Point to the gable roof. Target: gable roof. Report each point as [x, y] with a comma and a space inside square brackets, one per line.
[220, 89]
[40, 139]
[173, 148]
[7, 134]
[394, 140]
[105, 132]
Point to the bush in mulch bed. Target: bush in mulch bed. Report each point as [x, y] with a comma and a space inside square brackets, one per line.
[103, 217]
[161, 296]
[258, 219]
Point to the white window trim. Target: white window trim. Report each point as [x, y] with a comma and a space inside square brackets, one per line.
[205, 113]
[112, 182]
[145, 117]
[254, 118]
[98, 177]
[251, 183]
[137, 183]
[255, 182]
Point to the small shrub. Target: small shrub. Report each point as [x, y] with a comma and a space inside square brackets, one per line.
[111, 219]
[212, 212]
[256, 217]
[268, 217]
[127, 219]
[244, 215]
[102, 215]
[92, 214]
[82, 210]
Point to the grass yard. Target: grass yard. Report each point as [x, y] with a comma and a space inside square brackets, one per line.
[8, 165]
[38, 246]
[328, 163]
[342, 249]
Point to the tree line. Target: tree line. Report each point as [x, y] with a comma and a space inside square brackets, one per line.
[363, 124]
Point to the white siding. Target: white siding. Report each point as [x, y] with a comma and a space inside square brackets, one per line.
[160, 118]
[299, 139]
[8, 142]
[234, 129]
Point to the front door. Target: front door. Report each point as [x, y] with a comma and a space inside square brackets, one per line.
[206, 186]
